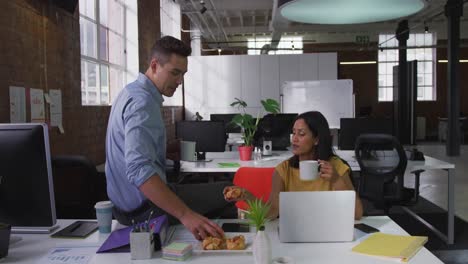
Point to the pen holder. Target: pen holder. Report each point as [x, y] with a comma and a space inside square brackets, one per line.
[141, 245]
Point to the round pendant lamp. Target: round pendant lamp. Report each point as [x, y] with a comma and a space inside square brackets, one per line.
[347, 11]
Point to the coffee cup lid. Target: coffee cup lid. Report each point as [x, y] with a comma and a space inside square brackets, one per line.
[103, 204]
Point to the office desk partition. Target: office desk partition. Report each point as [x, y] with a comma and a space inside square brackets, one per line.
[33, 247]
[348, 155]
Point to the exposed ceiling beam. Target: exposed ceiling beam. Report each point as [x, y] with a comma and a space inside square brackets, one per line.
[202, 18]
[228, 18]
[205, 31]
[276, 19]
[217, 20]
[241, 19]
[267, 14]
[247, 30]
[245, 4]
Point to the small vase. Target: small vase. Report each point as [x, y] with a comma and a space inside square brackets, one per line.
[262, 247]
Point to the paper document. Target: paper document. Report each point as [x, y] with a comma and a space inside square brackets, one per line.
[37, 105]
[69, 255]
[228, 164]
[392, 246]
[55, 108]
[17, 104]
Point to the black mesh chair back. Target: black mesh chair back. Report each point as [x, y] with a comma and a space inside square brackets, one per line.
[77, 186]
[383, 162]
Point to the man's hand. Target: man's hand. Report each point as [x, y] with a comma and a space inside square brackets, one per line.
[200, 226]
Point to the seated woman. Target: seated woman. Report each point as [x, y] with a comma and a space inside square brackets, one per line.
[311, 140]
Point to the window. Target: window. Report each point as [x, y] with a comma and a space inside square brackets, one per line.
[109, 48]
[170, 26]
[426, 65]
[170, 18]
[287, 45]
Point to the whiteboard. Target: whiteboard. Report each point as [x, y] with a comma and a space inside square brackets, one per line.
[333, 98]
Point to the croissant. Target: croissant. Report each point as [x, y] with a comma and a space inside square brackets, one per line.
[233, 193]
[213, 243]
[236, 243]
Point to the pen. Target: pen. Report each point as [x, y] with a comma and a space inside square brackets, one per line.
[134, 227]
[149, 217]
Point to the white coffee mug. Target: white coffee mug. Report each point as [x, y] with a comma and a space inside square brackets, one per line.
[308, 170]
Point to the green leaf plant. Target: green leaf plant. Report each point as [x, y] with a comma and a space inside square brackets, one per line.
[257, 212]
[247, 122]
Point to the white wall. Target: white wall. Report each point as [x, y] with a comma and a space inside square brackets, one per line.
[212, 82]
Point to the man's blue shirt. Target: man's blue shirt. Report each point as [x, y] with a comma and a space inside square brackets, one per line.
[135, 143]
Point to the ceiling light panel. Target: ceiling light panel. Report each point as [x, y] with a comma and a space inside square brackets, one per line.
[348, 11]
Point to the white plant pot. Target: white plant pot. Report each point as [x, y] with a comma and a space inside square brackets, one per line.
[262, 248]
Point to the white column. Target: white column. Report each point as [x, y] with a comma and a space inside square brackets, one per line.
[195, 43]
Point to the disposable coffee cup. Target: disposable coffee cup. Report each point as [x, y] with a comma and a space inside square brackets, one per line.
[187, 150]
[308, 170]
[104, 216]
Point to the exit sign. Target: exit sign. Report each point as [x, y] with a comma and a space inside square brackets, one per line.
[362, 39]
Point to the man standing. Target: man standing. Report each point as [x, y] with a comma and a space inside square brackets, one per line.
[136, 149]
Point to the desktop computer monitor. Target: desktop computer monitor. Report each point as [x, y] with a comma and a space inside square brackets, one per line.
[351, 128]
[226, 118]
[208, 135]
[277, 128]
[26, 184]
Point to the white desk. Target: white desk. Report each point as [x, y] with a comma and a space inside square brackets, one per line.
[271, 161]
[34, 247]
[231, 157]
[348, 155]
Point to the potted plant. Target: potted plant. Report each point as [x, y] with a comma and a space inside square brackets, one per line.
[257, 215]
[249, 124]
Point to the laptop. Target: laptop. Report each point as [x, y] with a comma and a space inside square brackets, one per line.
[316, 216]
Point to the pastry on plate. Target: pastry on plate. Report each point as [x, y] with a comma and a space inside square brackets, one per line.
[213, 243]
[236, 243]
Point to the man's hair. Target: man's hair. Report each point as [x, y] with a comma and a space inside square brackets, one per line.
[165, 47]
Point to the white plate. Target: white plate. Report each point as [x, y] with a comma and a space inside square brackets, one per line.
[249, 238]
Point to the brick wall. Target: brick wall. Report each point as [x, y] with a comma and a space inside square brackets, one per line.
[40, 48]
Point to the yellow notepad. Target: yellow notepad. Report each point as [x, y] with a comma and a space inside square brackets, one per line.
[393, 246]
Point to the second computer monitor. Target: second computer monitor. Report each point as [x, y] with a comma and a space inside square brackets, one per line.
[351, 128]
[208, 135]
[226, 118]
[277, 128]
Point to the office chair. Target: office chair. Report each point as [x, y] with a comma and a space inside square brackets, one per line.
[77, 187]
[383, 163]
[255, 180]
